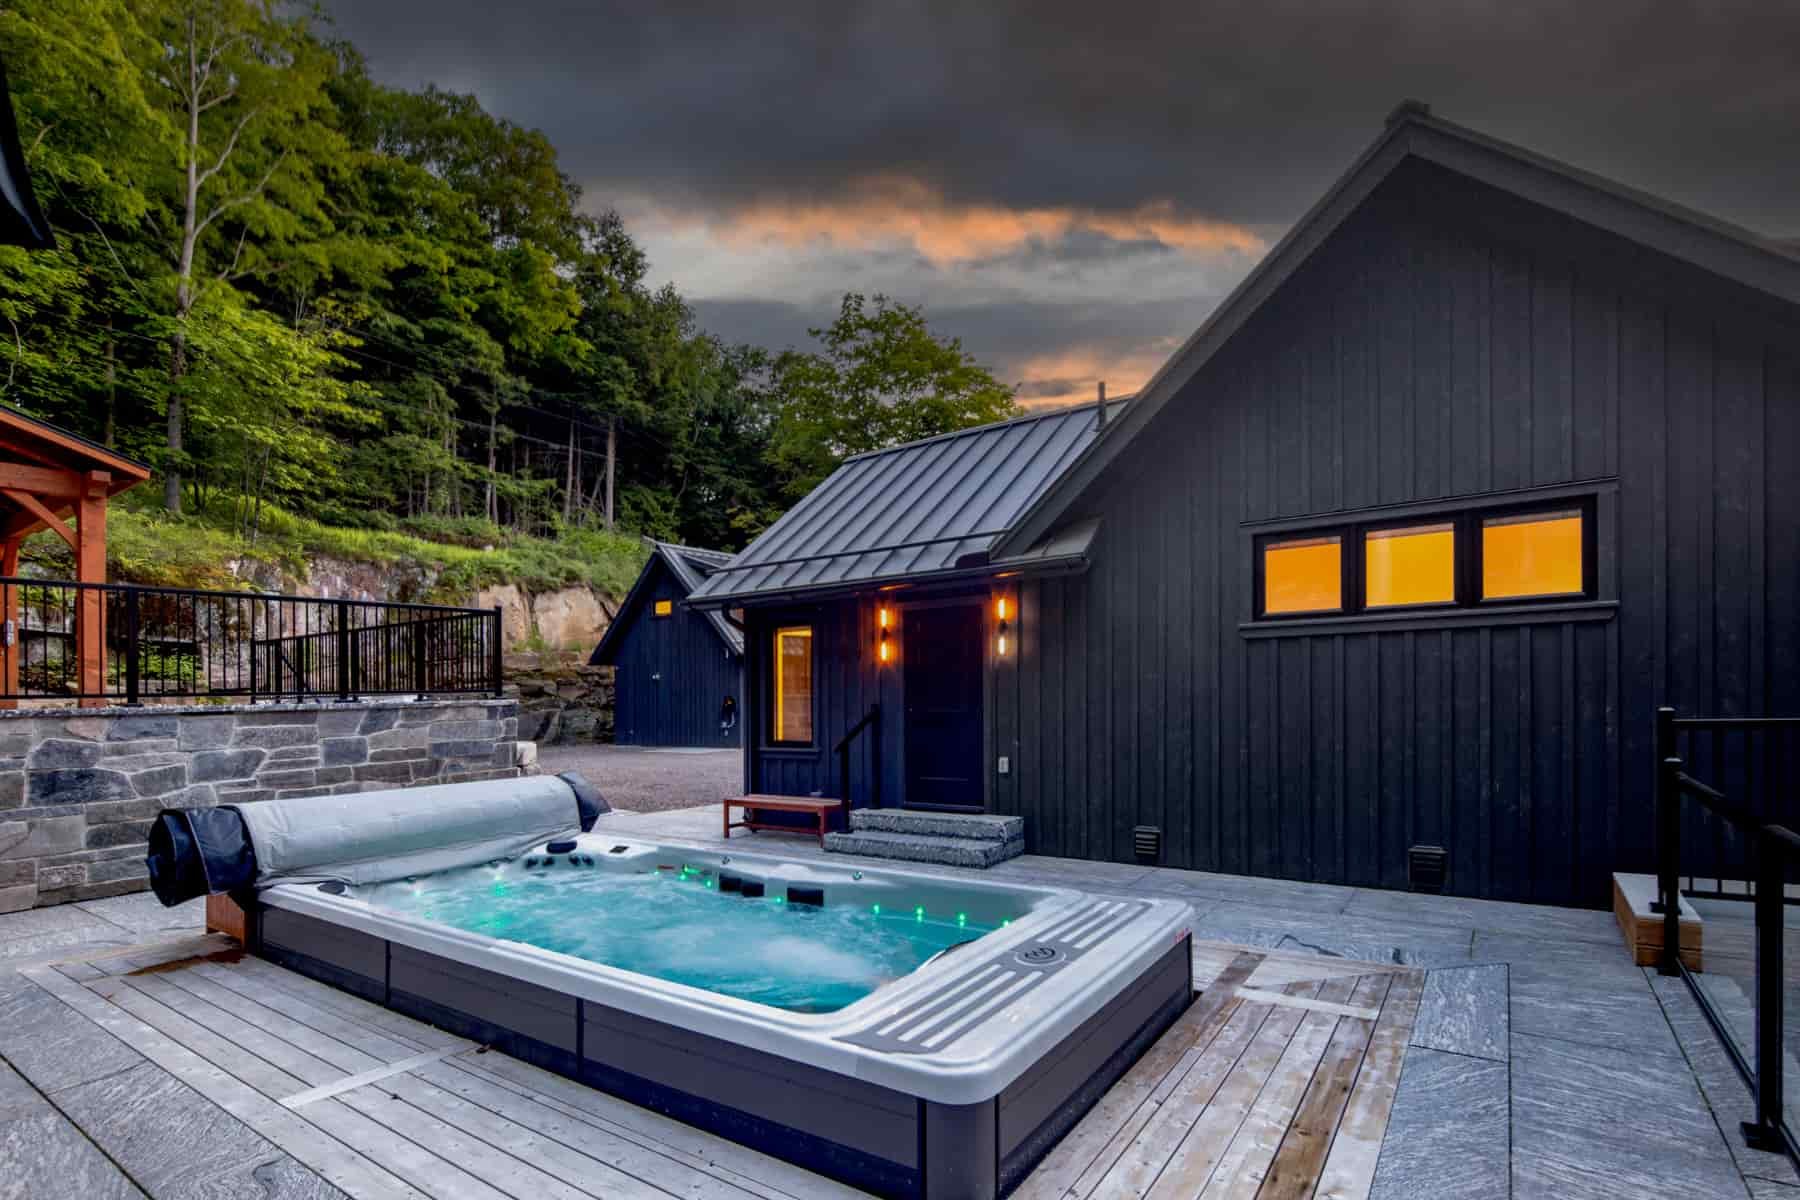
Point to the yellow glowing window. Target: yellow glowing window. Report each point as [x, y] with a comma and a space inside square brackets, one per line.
[793, 684]
[1531, 554]
[1413, 565]
[663, 608]
[1304, 575]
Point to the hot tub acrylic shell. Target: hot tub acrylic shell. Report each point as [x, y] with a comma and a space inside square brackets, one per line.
[949, 1082]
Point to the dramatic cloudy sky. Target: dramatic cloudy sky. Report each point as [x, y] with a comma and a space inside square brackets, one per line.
[1070, 187]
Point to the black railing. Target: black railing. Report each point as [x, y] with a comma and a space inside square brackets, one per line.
[1736, 839]
[124, 643]
[871, 721]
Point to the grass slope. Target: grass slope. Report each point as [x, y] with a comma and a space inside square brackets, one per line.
[146, 545]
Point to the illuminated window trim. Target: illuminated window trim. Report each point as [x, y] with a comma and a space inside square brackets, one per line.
[1467, 523]
[777, 700]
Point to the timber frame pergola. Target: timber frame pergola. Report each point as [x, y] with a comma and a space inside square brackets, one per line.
[47, 475]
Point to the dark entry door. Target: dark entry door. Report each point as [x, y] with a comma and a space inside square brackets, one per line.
[941, 652]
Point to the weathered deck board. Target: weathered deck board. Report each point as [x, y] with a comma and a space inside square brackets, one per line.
[1101, 1136]
[1244, 1095]
[1300, 1158]
[1274, 1085]
[1350, 1165]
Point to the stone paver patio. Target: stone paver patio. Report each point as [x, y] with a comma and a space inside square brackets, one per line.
[1541, 1063]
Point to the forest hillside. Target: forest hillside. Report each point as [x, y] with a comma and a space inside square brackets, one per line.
[347, 323]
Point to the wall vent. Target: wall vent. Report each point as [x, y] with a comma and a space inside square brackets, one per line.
[1426, 868]
[1146, 841]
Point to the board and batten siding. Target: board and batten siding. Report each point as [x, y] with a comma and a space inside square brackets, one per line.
[1448, 342]
[847, 679]
[697, 673]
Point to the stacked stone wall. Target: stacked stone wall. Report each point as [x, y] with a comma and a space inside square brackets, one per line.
[79, 788]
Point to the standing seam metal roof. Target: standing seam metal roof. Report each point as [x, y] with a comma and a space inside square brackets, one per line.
[690, 565]
[912, 509]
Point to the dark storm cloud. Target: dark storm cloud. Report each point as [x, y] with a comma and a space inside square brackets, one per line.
[1238, 111]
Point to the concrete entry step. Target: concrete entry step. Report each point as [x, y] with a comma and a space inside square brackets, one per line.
[924, 848]
[979, 826]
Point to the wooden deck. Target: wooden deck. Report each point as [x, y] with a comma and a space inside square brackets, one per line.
[1277, 1083]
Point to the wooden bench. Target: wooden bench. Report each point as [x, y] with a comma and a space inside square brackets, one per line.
[821, 807]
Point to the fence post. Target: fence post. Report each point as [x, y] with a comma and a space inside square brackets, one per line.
[495, 668]
[416, 640]
[1764, 1133]
[132, 646]
[1668, 841]
[343, 650]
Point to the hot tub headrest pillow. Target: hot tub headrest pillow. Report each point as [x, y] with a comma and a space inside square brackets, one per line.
[363, 837]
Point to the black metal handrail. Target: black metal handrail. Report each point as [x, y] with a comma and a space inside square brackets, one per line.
[1773, 847]
[126, 643]
[870, 720]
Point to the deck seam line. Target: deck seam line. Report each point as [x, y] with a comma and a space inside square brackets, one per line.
[372, 1075]
[429, 1115]
[1328, 1007]
[629, 1133]
[80, 1132]
[162, 1049]
[538, 1165]
[180, 986]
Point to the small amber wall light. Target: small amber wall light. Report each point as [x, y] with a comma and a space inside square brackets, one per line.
[884, 647]
[1002, 612]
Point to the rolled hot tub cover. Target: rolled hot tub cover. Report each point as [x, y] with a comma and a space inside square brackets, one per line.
[361, 837]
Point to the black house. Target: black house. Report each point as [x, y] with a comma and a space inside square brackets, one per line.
[677, 670]
[1487, 459]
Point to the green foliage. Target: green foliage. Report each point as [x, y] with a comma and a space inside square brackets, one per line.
[347, 319]
[882, 378]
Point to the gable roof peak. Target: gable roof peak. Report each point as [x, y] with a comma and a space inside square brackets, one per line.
[1413, 131]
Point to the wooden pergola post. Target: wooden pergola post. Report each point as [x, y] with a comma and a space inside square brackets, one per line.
[90, 567]
[48, 475]
[9, 612]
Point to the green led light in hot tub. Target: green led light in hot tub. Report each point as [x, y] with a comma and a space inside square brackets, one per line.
[806, 957]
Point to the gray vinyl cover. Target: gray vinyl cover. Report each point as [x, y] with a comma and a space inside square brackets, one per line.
[368, 837]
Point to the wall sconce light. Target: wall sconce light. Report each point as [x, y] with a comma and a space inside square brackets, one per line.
[884, 647]
[1002, 610]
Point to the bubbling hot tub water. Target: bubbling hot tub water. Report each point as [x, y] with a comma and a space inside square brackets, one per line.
[679, 927]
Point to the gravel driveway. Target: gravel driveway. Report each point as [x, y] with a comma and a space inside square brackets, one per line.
[643, 779]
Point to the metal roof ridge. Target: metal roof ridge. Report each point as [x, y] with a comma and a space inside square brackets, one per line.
[1112, 402]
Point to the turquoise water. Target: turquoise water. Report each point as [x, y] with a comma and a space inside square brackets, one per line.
[791, 956]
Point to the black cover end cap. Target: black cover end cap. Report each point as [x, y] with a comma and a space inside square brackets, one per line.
[587, 798]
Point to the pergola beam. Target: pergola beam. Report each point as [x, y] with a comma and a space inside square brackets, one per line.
[39, 513]
[46, 482]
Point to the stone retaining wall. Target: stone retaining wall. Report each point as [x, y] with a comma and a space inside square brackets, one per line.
[79, 788]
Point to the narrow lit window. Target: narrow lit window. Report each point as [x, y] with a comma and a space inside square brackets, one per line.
[793, 684]
[1414, 564]
[663, 608]
[1532, 554]
[1303, 575]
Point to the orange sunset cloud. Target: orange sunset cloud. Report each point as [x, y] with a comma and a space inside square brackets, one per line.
[896, 210]
[1072, 376]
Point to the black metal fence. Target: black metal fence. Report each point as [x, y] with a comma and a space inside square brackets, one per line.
[1758, 861]
[159, 642]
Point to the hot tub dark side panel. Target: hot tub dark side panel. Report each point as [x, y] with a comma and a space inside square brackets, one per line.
[522, 1019]
[1039, 1107]
[857, 1132]
[345, 958]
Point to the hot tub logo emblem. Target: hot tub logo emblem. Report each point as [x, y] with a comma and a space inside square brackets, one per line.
[1039, 955]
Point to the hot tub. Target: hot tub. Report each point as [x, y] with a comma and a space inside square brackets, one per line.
[912, 1034]
[947, 1078]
